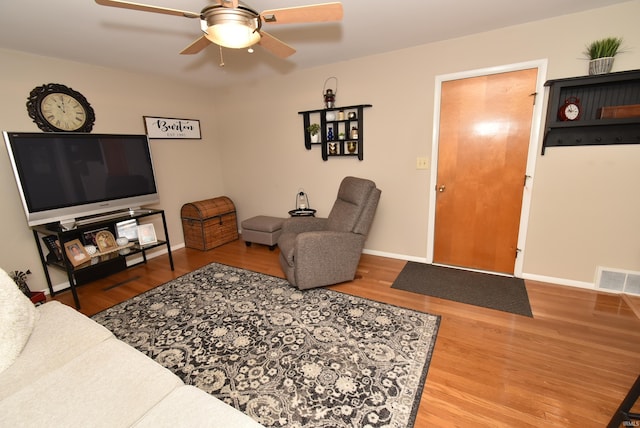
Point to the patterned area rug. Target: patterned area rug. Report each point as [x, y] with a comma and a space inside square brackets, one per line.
[287, 358]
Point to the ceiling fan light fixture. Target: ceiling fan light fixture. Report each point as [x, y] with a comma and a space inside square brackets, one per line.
[232, 28]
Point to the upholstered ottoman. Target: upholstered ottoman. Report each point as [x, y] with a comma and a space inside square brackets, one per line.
[262, 229]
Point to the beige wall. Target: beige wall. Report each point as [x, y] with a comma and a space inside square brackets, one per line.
[584, 209]
[186, 170]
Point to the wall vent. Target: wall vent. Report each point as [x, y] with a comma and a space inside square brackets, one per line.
[617, 280]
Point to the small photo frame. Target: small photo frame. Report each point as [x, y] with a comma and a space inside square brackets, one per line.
[127, 229]
[105, 241]
[147, 234]
[76, 253]
[89, 236]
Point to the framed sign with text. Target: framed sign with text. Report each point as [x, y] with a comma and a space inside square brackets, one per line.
[166, 127]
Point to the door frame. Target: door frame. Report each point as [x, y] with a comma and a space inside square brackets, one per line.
[534, 144]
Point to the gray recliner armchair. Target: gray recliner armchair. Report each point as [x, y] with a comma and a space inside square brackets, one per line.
[315, 252]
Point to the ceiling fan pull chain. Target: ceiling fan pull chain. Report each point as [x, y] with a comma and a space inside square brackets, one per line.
[221, 58]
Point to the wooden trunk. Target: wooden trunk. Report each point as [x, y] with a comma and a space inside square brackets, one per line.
[210, 223]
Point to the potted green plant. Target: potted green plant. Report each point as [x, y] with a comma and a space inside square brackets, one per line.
[601, 53]
[314, 132]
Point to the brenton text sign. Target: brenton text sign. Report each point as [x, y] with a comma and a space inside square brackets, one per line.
[166, 127]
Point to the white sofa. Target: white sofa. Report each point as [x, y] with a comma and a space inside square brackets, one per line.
[59, 368]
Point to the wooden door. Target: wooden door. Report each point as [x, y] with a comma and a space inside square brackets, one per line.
[484, 133]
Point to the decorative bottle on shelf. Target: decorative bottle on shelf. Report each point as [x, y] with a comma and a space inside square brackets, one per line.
[351, 146]
[330, 134]
[354, 133]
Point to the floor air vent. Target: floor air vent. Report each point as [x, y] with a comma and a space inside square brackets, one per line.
[622, 281]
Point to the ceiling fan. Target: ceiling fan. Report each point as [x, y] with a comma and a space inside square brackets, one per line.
[230, 24]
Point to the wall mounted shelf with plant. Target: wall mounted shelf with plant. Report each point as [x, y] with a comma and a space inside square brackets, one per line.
[609, 110]
[351, 120]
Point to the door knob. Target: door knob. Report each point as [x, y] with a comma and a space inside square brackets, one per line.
[441, 188]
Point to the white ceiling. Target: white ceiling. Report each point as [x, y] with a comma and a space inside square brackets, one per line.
[81, 30]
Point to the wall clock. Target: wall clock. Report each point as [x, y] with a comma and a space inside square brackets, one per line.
[570, 110]
[54, 108]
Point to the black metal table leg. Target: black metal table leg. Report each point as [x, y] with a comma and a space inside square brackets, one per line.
[623, 413]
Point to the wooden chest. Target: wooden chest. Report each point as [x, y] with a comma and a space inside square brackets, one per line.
[210, 223]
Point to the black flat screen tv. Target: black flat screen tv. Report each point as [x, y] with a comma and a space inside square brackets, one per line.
[63, 177]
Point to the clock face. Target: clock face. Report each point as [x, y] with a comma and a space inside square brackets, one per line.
[571, 111]
[63, 111]
[54, 107]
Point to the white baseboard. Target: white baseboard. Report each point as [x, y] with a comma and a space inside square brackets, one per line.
[395, 256]
[530, 276]
[559, 281]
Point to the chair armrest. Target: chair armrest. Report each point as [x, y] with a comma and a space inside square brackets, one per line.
[303, 224]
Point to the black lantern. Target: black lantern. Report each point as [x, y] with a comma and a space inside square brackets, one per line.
[329, 99]
[329, 94]
[302, 206]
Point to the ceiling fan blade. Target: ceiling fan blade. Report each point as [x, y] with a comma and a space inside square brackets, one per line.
[313, 13]
[275, 46]
[196, 46]
[147, 8]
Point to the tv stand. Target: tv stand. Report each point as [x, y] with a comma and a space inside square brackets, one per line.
[100, 265]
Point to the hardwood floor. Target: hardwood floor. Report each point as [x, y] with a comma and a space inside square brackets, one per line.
[568, 366]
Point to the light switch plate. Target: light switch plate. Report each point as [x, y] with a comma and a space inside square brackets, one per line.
[422, 163]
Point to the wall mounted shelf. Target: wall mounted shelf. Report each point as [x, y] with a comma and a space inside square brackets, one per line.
[597, 94]
[329, 119]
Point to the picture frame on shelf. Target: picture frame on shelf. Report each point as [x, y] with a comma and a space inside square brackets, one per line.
[89, 236]
[147, 234]
[106, 242]
[76, 253]
[127, 229]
